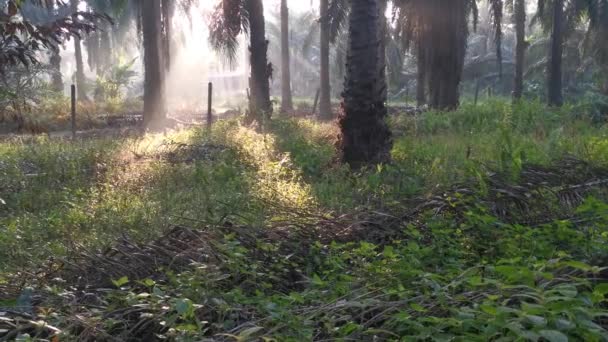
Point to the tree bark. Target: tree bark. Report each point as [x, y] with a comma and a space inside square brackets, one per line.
[55, 57]
[80, 79]
[56, 77]
[260, 106]
[286, 98]
[382, 33]
[445, 60]
[421, 74]
[555, 59]
[154, 83]
[325, 112]
[168, 11]
[365, 136]
[520, 48]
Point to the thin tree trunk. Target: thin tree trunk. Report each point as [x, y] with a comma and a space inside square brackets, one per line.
[555, 58]
[55, 58]
[365, 136]
[286, 98]
[80, 79]
[260, 106]
[421, 74]
[520, 48]
[325, 112]
[154, 83]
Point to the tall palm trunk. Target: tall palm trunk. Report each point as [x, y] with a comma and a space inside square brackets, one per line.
[325, 112]
[154, 83]
[365, 137]
[168, 12]
[519, 9]
[445, 60]
[261, 71]
[555, 58]
[421, 74]
[382, 35]
[80, 79]
[286, 98]
[55, 57]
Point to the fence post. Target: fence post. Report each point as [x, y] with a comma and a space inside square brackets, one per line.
[210, 105]
[73, 96]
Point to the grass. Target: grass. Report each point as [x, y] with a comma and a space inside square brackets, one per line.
[58, 196]
[57, 193]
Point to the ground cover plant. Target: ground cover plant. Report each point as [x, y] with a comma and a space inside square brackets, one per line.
[489, 224]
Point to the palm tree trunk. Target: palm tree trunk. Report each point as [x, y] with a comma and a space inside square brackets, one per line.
[168, 11]
[55, 58]
[154, 83]
[286, 99]
[520, 48]
[80, 79]
[259, 98]
[56, 77]
[105, 49]
[382, 33]
[555, 59]
[446, 57]
[365, 136]
[325, 112]
[421, 74]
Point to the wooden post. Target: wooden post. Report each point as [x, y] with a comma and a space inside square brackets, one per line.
[209, 105]
[73, 95]
[314, 106]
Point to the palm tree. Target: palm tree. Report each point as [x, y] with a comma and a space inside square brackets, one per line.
[154, 82]
[519, 15]
[438, 29]
[555, 61]
[80, 79]
[286, 99]
[232, 17]
[325, 112]
[54, 54]
[365, 136]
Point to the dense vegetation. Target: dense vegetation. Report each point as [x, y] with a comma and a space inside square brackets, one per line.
[469, 217]
[295, 246]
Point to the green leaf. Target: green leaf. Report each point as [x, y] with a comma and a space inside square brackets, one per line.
[184, 306]
[417, 307]
[316, 280]
[536, 320]
[120, 282]
[601, 289]
[553, 336]
[389, 252]
[489, 309]
[577, 265]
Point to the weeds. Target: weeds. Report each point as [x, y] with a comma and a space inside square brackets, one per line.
[274, 261]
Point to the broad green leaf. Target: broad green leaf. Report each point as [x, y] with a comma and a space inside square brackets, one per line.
[601, 289]
[536, 320]
[578, 265]
[120, 282]
[553, 336]
[184, 306]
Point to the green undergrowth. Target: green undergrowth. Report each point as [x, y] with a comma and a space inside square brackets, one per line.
[446, 278]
